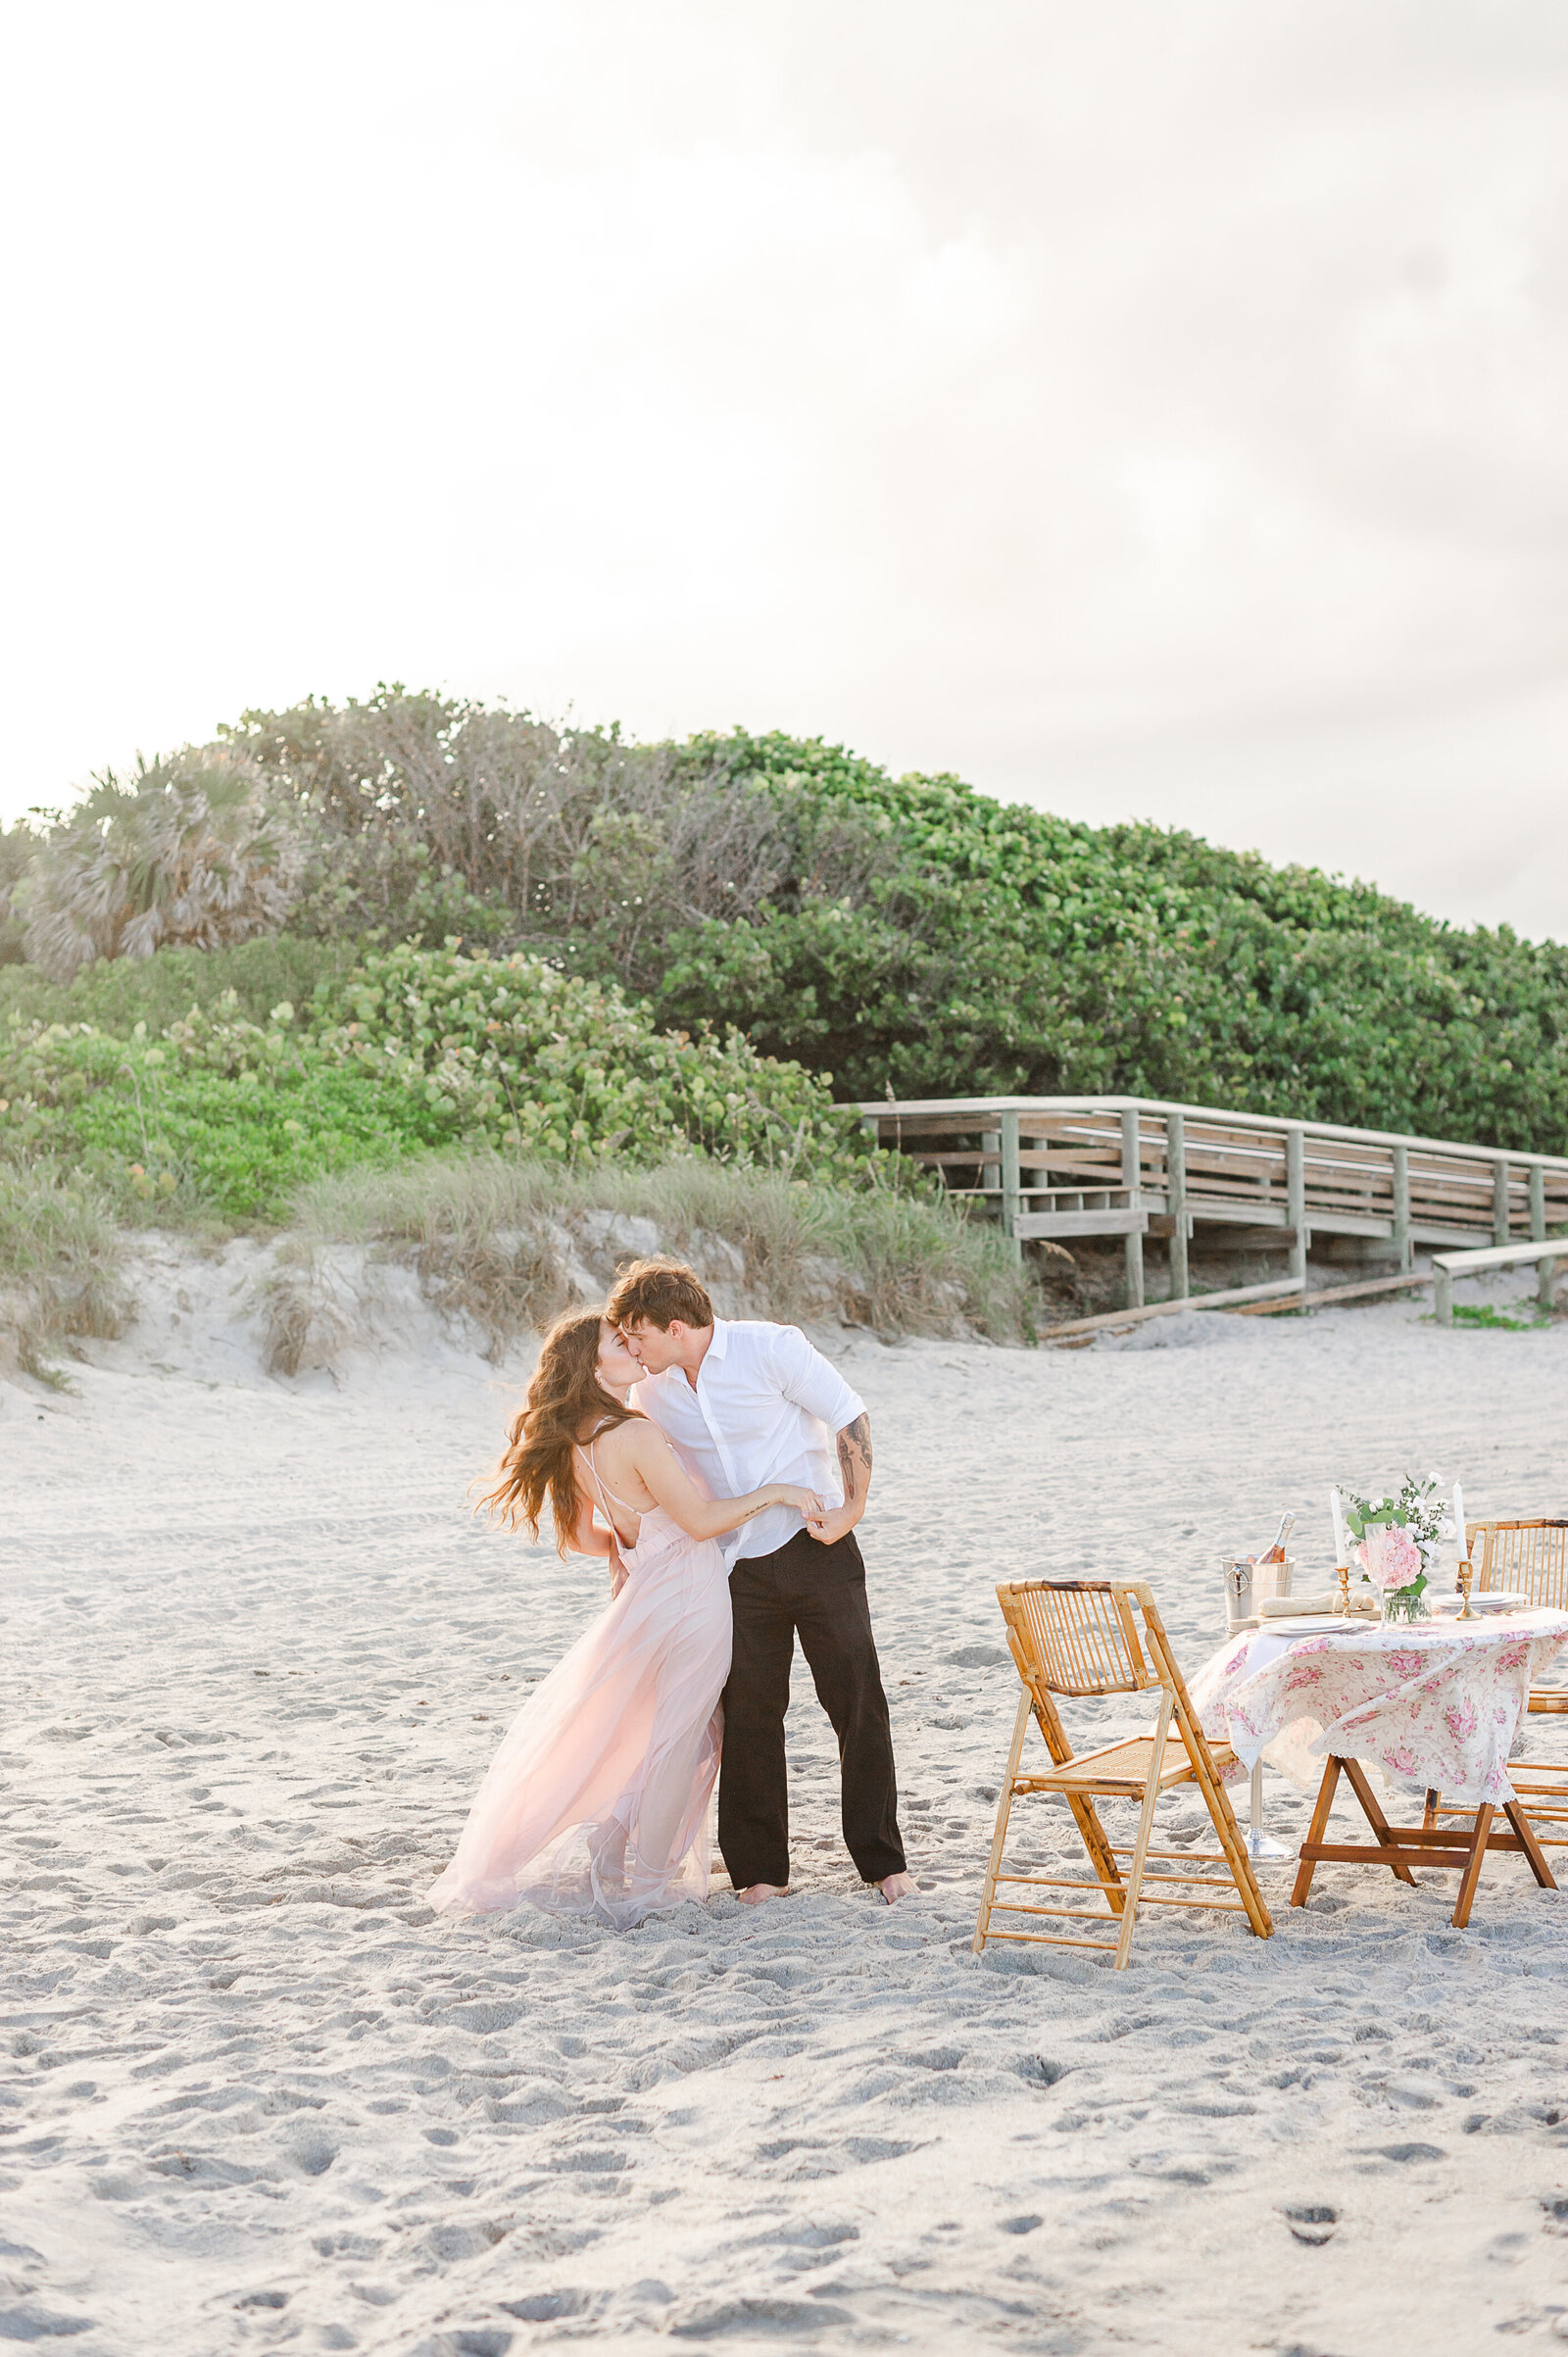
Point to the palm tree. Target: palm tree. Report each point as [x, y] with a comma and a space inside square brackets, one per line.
[191, 850]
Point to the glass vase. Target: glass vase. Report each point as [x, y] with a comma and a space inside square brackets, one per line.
[1407, 1603]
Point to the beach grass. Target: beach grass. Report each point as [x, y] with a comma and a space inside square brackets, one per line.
[495, 1237]
[61, 1263]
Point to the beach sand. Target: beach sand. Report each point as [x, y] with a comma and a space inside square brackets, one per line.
[257, 1653]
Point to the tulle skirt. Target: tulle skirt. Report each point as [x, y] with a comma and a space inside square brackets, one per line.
[596, 1802]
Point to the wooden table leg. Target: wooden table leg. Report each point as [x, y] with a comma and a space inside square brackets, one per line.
[1472, 1867]
[1373, 1814]
[1529, 1844]
[1314, 1831]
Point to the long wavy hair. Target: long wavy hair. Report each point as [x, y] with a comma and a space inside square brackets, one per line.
[567, 1402]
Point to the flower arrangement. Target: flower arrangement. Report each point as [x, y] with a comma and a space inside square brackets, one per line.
[1396, 1542]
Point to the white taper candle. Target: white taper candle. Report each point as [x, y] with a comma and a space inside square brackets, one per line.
[1459, 1523]
[1340, 1558]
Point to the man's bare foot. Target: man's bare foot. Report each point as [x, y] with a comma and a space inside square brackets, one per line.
[758, 1892]
[895, 1886]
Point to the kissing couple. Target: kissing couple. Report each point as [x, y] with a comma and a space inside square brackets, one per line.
[721, 1466]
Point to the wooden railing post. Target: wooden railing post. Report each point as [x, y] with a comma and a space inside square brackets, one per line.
[1296, 1196]
[1401, 1205]
[1442, 1294]
[991, 1144]
[1499, 1199]
[1131, 1179]
[1011, 1182]
[1176, 1202]
[1545, 1270]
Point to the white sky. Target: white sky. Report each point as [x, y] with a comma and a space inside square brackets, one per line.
[1145, 410]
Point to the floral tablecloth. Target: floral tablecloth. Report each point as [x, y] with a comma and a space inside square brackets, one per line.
[1438, 1705]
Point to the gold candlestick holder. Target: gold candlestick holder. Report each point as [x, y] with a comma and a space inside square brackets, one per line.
[1342, 1575]
[1466, 1580]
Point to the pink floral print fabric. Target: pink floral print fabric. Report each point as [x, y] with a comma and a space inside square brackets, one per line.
[1437, 1706]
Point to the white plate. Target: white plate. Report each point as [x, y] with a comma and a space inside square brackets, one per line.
[1317, 1623]
[1496, 1599]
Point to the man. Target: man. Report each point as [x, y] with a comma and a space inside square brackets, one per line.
[748, 1403]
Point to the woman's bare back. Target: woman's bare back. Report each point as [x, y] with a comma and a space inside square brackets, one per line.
[615, 1482]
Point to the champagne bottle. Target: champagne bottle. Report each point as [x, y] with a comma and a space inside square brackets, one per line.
[1276, 1554]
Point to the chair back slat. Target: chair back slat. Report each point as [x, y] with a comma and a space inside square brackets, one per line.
[1529, 1555]
[1077, 1636]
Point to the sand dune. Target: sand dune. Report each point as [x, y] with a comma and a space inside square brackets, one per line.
[257, 1654]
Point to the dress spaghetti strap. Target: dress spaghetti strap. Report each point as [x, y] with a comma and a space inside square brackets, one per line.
[605, 1495]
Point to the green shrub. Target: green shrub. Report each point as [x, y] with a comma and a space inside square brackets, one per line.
[117, 994]
[1005, 950]
[216, 1116]
[416, 1049]
[900, 933]
[552, 1065]
[17, 847]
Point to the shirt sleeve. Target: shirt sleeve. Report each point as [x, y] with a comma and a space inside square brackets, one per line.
[806, 1377]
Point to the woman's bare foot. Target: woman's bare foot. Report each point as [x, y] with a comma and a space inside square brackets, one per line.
[755, 1897]
[895, 1886]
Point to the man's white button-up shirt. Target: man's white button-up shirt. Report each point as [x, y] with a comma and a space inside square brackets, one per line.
[765, 1407]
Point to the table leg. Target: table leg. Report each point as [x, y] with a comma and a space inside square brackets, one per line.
[1472, 1867]
[1373, 1814]
[1314, 1831]
[1529, 1844]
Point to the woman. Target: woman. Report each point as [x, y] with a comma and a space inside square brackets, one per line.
[596, 1801]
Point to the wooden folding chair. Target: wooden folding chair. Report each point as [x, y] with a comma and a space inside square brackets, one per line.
[1106, 1637]
[1530, 1555]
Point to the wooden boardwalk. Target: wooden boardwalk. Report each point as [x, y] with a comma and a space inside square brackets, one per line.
[1060, 1168]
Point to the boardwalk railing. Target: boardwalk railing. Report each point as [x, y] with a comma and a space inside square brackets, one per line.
[1445, 1266]
[1134, 1166]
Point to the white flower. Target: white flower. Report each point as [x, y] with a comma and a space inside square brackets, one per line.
[1446, 1528]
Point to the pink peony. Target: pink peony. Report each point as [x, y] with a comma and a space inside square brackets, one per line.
[1389, 1556]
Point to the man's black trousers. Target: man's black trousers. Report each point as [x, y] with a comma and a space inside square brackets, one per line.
[819, 1594]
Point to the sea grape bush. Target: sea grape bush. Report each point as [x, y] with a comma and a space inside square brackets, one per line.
[216, 1113]
[555, 1065]
[900, 933]
[997, 947]
[413, 1049]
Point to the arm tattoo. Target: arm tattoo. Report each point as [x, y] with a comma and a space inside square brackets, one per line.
[854, 1442]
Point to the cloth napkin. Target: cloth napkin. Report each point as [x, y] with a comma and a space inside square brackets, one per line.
[1285, 1607]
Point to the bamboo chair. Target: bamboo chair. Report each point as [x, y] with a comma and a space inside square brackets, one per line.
[1531, 1556]
[1106, 1637]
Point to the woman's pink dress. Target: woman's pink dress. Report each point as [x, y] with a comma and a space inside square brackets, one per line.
[596, 1801]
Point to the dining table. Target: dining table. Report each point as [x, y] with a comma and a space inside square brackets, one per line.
[1434, 1704]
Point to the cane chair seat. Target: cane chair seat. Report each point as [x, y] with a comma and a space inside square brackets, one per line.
[1091, 1638]
[1122, 1770]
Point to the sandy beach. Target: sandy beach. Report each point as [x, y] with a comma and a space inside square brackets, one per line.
[256, 1653]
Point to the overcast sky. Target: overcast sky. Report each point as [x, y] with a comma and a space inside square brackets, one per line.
[1145, 410]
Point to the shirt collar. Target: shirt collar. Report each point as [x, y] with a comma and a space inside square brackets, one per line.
[719, 1344]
